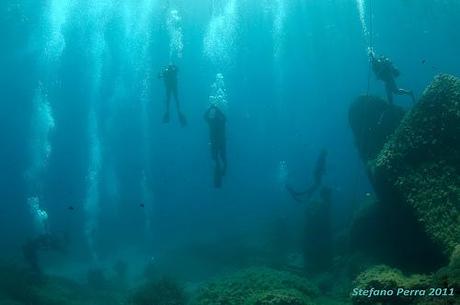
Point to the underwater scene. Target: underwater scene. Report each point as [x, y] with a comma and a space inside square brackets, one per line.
[229, 152]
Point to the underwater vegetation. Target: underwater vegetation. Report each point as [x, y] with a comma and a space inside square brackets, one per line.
[385, 278]
[257, 286]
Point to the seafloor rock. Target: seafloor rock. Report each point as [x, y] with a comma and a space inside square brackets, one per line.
[419, 166]
[162, 292]
[372, 121]
[384, 278]
[257, 286]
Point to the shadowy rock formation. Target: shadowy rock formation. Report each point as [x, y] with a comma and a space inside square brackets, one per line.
[414, 166]
[419, 166]
[415, 171]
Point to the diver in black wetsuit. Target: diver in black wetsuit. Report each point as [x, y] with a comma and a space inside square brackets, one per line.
[217, 121]
[169, 76]
[387, 72]
[318, 173]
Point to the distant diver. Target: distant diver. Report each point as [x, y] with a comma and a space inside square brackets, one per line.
[169, 76]
[385, 71]
[318, 173]
[217, 136]
[43, 243]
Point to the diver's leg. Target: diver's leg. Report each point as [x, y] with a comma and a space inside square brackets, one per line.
[182, 119]
[217, 167]
[168, 102]
[223, 157]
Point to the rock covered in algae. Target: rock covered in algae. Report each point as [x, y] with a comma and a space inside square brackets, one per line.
[419, 165]
[384, 278]
[257, 286]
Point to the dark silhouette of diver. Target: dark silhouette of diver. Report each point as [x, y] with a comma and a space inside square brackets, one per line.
[318, 173]
[169, 76]
[217, 124]
[385, 71]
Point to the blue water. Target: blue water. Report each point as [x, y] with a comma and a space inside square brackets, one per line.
[81, 119]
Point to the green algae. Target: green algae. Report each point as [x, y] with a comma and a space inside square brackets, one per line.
[257, 286]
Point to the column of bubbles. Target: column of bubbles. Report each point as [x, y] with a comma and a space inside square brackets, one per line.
[98, 14]
[361, 6]
[219, 40]
[93, 180]
[279, 17]
[174, 25]
[50, 42]
[218, 96]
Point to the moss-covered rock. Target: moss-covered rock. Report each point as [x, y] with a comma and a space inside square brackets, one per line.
[257, 286]
[419, 166]
[385, 278]
[279, 297]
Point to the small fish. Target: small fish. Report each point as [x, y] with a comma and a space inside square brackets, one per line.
[423, 61]
[142, 205]
[71, 208]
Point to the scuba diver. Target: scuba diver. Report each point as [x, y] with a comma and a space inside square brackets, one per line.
[216, 121]
[385, 71]
[318, 173]
[169, 76]
[42, 243]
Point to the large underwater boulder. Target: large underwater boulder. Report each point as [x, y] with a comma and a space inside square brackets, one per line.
[419, 166]
[257, 286]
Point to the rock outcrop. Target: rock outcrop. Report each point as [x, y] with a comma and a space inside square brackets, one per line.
[414, 163]
[419, 166]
